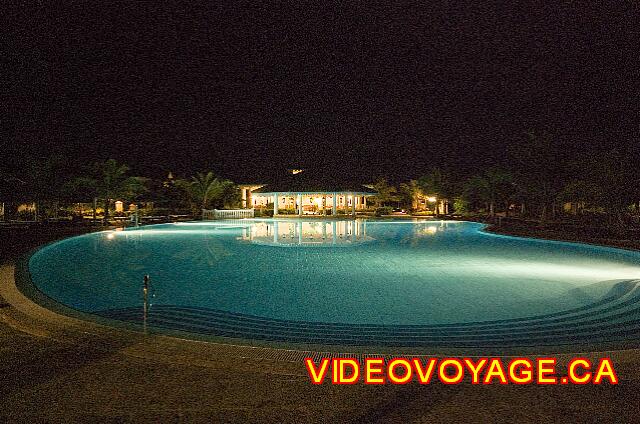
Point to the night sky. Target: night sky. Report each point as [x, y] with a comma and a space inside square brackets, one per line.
[248, 90]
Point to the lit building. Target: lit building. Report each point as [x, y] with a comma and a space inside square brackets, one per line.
[300, 194]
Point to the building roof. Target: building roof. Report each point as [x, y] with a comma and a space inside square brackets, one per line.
[309, 183]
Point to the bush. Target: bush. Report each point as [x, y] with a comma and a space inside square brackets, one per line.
[460, 206]
[25, 215]
[384, 210]
[263, 212]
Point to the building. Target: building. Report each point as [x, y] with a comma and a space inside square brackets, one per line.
[301, 193]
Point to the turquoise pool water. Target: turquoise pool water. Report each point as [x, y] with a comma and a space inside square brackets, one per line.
[351, 282]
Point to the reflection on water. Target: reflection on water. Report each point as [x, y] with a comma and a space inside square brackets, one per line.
[307, 233]
[338, 233]
[397, 272]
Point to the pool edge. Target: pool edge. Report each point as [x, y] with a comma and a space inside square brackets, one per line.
[29, 290]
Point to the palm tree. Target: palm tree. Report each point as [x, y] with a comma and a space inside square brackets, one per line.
[116, 184]
[205, 190]
[109, 181]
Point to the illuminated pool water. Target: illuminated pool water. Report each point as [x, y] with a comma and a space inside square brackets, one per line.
[398, 283]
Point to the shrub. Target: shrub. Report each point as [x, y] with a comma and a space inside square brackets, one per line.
[460, 206]
[262, 212]
[384, 210]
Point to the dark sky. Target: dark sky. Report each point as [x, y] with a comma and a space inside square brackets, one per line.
[246, 89]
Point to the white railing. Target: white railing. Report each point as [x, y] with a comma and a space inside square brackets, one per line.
[208, 214]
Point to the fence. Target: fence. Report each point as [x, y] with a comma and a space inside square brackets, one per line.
[208, 214]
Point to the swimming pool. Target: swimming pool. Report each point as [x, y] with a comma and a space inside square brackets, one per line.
[360, 282]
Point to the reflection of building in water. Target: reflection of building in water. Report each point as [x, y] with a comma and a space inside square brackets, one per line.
[430, 228]
[427, 230]
[307, 233]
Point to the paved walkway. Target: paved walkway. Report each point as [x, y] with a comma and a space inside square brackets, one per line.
[59, 369]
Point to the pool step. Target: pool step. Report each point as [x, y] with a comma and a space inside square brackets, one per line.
[623, 332]
[614, 318]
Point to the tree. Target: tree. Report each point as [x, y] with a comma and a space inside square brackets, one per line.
[206, 190]
[42, 182]
[436, 184]
[460, 205]
[614, 173]
[475, 192]
[500, 188]
[494, 187]
[385, 192]
[231, 197]
[539, 171]
[411, 194]
[166, 194]
[108, 181]
[581, 194]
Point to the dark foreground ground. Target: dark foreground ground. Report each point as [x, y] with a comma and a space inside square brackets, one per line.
[46, 381]
[15, 242]
[96, 379]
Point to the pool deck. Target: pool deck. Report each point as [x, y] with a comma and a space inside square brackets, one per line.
[57, 368]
